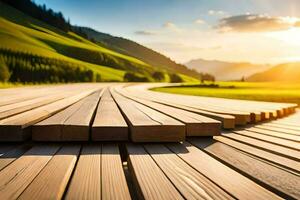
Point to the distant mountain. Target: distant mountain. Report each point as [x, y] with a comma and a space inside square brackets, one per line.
[283, 72]
[226, 70]
[138, 51]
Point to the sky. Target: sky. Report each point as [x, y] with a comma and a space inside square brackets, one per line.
[257, 31]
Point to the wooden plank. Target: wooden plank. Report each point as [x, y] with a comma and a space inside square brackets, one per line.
[285, 136]
[291, 126]
[276, 159]
[231, 181]
[279, 181]
[203, 103]
[283, 151]
[270, 139]
[50, 129]
[77, 126]
[149, 180]
[13, 109]
[19, 174]
[190, 183]
[14, 128]
[12, 155]
[52, 180]
[148, 125]
[86, 180]
[279, 109]
[114, 185]
[109, 124]
[241, 118]
[21, 95]
[71, 124]
[228, 121]
[257, 110]
[196, 125]
[280, 130]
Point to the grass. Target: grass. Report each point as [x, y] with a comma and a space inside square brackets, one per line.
[21, 32]
[266, 91]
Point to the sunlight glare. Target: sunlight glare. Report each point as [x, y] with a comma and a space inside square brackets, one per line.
[291, 36]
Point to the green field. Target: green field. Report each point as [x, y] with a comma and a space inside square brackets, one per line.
[22, 33]
[271, 91]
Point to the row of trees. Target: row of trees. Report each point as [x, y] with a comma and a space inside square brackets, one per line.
[206, 77]
[41, 12]
[16, 66]
[26, 67]
[157, 76]
[99, 58]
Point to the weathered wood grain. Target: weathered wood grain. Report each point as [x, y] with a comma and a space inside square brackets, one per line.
[86, 181]
[190, 183]
[71, 124]
[52, 180]
[114, 185]
[19, 174]
[109, 124]
[149, 180]
[231, 181]
[148, 125]
[281, 182]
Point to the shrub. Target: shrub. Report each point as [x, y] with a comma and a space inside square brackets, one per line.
[4, 72]
[98, 78]
[207, 77]
[158, 76]
[132, 77]
[175, 78]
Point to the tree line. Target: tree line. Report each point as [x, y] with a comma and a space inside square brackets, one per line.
[41, 12]
[26, 67]
[47, 15]
[99, 58]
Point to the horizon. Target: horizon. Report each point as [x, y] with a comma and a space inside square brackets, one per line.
[209, 30]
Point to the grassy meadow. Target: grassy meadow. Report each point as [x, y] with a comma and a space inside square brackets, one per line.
[22, 34]
[259, 91]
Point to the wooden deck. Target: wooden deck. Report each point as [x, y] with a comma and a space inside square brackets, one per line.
[86, 141]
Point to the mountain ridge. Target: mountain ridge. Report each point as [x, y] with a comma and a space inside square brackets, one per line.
[134, 49]
[223, 70]
[287, 72]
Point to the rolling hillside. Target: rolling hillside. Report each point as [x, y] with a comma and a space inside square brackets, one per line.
[22, 34]
[226, 70]
[138, 51]
[289, 72]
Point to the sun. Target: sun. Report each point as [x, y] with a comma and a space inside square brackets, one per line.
[291, 36]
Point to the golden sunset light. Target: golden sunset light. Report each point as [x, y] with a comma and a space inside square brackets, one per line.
[149, 99]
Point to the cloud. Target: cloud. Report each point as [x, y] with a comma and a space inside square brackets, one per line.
[169, 25]
[172, 27]
[145, 32]
[199, 21]
[256, 23]
[216, 12]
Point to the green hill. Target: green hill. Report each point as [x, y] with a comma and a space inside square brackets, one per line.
[24, 40]
[289, 72]
[138, 51]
